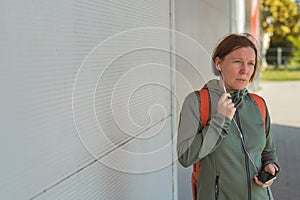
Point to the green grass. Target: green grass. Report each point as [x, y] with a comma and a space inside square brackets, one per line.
[280, 75]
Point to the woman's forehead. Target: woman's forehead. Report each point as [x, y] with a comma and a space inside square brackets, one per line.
[243, 52]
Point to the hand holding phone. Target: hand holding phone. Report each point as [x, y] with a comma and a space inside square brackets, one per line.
[266, 177]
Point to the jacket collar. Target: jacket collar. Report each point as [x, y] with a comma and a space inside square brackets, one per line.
[236, 95]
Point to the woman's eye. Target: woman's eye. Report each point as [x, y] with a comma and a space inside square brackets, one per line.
[237, 61]
[251, 64]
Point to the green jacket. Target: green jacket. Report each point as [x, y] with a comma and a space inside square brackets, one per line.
[225, 171]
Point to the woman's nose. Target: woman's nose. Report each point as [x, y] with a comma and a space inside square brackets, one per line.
[244, 68]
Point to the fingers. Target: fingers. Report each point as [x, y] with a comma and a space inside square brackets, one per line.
[226, 106]
[264, 185]
[271, 168]
[226, 96]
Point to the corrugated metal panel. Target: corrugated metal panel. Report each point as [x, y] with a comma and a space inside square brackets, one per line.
[69, 108]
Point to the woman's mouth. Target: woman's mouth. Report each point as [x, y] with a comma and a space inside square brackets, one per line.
[241, 80]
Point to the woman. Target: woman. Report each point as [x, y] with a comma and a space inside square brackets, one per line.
[235, 144]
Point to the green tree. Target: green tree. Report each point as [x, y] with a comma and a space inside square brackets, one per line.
[280, 19]
[296, 49]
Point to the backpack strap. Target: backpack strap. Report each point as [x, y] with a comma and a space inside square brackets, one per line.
[204, 116]
[262, 107]
[205, 106]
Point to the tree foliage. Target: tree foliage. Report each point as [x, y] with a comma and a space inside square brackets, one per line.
[280, 19]
[296, 48]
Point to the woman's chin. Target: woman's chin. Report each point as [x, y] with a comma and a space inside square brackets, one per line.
[239, 87]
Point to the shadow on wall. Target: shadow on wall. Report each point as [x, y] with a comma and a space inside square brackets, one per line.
[287, 141]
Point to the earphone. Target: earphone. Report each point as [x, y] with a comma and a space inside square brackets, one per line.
[223, 79]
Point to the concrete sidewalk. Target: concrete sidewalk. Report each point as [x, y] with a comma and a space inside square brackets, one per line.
[283, 99]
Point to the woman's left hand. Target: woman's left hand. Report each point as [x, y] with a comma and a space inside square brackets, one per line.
[270, 168]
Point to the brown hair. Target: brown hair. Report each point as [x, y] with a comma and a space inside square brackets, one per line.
[230, 43]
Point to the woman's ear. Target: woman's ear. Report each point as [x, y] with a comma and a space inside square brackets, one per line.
[217, 63]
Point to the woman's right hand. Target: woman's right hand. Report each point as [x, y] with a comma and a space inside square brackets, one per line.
[225, 106]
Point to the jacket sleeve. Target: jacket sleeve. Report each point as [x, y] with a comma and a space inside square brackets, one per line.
[269, 152]
[195, 142]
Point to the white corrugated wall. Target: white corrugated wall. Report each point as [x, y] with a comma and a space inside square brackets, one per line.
[90, 95]
[86, 100]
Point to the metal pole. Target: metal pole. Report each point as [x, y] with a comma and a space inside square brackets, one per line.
[279, 56]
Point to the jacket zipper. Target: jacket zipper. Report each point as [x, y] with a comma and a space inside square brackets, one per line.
[246, 156]
[217, 188]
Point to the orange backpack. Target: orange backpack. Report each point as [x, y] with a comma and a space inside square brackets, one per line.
[204, 115]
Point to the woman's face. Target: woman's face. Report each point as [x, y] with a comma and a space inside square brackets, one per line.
[237, 67]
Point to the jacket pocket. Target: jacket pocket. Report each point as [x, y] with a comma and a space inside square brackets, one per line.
[217, 188]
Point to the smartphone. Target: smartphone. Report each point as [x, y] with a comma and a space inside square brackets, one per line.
[266, 177]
